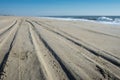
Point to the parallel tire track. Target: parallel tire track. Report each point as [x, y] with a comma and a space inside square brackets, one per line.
[96, 52]
[102, 70]
[81, 41]
[93, 31]
[8, 28]
[4, 60]
[41, 56]
[100, 33]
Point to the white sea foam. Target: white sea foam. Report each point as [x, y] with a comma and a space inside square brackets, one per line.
[107, 20]
[103, 20]
[68, 19]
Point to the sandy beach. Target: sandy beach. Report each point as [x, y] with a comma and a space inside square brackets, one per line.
[34, 48]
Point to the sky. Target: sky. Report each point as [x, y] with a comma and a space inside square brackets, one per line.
[59, 7]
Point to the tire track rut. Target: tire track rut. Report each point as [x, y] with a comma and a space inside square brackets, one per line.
[5, 57]
[108, 72]
[97, 52]
[46, 58]
[8, 28]
[23, 63]
[79, 40]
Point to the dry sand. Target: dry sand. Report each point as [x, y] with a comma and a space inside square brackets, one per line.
[46, 49]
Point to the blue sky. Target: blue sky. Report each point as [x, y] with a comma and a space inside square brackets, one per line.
[59, 7]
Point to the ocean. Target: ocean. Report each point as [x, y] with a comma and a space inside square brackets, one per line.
[101, 19]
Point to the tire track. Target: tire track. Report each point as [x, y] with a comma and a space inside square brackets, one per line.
[5, 41]
[81, 41]
[70, 76]
[93, 31]
[5, 31]
[100, 33]
[51, 66]
[70, 73]
[8, 28]
[5, 57]
[105, 72]
[6, 22]
[96, 52]
[23, 63]
[101, 69]
[92, 47]
[65, 64]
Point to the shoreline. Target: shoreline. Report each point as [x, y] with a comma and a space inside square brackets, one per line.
[80, 19]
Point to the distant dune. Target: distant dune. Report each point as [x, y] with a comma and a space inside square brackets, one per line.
[46, 49]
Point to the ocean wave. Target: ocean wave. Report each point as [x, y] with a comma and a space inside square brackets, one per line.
[108, 20]
[117, 20]
[104, 20]
[68, 19]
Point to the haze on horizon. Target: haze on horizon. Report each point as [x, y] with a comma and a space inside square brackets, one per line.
[59, 7]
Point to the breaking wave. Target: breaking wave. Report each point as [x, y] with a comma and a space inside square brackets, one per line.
[103, 19]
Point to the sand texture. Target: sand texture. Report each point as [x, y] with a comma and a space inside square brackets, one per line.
[44, 49]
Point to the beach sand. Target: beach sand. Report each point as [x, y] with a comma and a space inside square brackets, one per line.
[34, 48]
